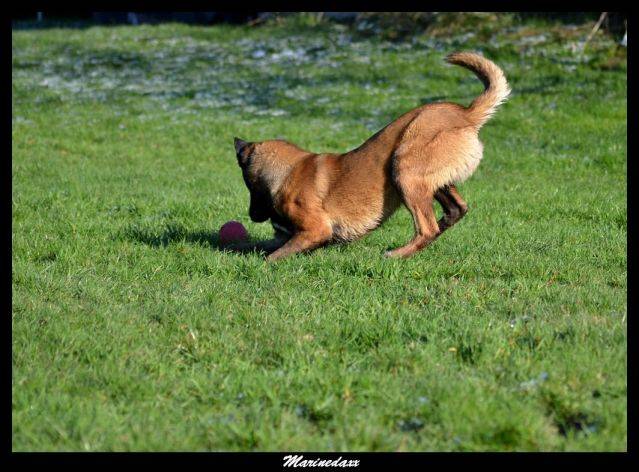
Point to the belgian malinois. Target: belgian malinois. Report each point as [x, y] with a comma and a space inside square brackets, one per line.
[315, 199]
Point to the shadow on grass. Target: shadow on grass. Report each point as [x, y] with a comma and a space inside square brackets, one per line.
[171, 234]
[176, 233]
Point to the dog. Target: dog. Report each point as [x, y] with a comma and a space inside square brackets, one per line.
[316, 199]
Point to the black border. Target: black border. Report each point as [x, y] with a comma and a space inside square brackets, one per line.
[274, 460]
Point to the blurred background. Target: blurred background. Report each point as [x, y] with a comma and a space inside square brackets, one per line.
[396, 24]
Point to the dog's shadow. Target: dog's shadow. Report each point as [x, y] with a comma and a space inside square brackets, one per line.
[174, 234]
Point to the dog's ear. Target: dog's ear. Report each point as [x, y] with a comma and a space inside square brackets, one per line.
[241, 148]
[239, 144]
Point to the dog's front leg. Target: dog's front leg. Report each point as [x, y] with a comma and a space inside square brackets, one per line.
[300, 242]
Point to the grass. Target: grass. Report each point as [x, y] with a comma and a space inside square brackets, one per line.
[133, 331]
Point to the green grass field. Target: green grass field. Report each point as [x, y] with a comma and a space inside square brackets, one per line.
[133, 331]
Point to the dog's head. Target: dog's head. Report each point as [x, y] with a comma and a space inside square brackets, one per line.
[265, 166]
[249, 160]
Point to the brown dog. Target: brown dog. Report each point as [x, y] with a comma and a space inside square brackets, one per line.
[314, 199]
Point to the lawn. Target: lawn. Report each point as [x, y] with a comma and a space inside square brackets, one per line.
[132, 330]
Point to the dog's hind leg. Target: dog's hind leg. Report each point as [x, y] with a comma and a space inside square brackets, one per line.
[418, 198]
[424, 165]
[453, 204]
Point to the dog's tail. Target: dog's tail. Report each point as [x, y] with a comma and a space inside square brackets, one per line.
[497, 89]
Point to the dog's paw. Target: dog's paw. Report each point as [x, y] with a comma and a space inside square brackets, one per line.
[273, 257]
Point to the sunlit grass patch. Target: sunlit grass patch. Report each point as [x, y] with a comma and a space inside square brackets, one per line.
[132, 331]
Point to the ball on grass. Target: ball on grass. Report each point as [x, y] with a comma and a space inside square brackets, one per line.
[232, 231]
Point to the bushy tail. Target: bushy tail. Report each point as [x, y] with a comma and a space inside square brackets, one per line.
[497, 89]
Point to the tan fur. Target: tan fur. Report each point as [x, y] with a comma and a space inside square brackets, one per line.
[313, 199]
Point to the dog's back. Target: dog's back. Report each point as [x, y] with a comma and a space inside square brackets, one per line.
[437, 143]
